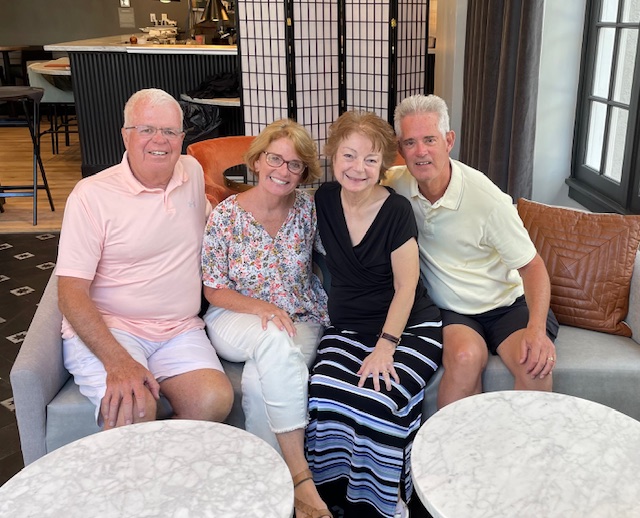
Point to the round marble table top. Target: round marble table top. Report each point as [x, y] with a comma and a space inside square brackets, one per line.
[173, 468]
[528, 454]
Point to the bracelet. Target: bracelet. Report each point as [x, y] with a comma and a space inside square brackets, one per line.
[393, 339]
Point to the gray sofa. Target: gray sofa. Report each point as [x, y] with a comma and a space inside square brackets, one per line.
[51, 411]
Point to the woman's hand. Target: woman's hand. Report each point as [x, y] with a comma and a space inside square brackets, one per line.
[272, 313]
[380, 361]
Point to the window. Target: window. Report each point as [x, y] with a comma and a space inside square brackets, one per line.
[606, 166]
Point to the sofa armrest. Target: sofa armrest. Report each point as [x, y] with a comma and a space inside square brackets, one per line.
[633, 315]
[38, 373]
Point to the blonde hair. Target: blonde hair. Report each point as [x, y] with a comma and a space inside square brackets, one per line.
[304, 145]
[369, 125]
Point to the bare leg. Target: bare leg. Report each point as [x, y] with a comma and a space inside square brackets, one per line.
[203, 394]
[292, 446]
[464, 357]
[509, 351]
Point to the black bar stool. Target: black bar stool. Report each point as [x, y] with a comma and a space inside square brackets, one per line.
[25, 94]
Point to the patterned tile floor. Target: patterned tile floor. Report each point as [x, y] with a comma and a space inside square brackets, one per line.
[26, 263]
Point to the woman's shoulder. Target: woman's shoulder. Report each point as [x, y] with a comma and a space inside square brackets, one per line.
[397, 201]
[327, 189]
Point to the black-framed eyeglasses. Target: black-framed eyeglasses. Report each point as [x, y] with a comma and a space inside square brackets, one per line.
[150, 131]
[294, 166]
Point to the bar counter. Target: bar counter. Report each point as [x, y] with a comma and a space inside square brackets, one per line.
[107, 71]
[121, 43]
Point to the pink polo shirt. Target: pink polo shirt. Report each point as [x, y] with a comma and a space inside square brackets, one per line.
[140, 248]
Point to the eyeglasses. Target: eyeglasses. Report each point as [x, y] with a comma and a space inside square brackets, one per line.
[294, 166]
[150, 131]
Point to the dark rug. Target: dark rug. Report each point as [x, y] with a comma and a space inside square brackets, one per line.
[26, 263]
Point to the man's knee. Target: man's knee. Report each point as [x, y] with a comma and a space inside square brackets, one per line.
[467, 353]
[216, 397]
[205, 394]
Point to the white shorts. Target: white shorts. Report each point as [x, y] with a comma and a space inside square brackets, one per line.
[189, 351]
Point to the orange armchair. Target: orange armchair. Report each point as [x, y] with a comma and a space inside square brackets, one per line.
[216, 156]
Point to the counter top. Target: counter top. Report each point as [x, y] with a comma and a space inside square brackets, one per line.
[121, 44]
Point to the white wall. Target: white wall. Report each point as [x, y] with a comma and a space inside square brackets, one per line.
[558, 83]
[557, 93]
[449, 68]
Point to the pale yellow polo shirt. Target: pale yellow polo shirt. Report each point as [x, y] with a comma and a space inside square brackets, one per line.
[472, 241]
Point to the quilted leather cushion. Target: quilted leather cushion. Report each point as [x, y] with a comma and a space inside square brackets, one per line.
[590, 260]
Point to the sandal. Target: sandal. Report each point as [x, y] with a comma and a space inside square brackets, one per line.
[309, 511]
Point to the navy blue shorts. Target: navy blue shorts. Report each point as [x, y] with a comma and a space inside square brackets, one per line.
[497, 325]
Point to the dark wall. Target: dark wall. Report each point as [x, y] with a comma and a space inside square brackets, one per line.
[40, 22]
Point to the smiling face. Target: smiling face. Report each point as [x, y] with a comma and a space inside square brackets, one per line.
[278, 180]
[356, 165]
[152, 160]
[425, 149]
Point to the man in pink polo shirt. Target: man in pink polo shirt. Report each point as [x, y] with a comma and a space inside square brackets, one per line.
[129, 277]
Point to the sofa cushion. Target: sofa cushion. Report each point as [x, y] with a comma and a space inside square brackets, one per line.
[590, 260]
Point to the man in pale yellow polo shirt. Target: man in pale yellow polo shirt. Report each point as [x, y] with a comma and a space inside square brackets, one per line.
[476, 258]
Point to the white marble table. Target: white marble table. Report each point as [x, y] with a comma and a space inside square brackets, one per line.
[519, 454]
[171, 468]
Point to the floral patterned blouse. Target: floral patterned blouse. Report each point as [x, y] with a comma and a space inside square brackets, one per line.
[239, 254]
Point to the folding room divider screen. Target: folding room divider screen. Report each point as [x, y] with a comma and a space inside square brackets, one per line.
[311, 61]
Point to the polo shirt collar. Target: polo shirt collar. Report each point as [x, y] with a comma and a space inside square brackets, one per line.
[452, 197]
[179, 177]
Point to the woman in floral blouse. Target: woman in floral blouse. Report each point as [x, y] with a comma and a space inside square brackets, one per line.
[267, 307]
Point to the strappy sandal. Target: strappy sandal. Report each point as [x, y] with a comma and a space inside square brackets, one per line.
[309, 512]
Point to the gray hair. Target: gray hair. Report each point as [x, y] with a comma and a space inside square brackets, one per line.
[422, 104]
[153, 97]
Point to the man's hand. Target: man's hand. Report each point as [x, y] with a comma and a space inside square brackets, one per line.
[538, 352]
[536, 349]
[128, 385]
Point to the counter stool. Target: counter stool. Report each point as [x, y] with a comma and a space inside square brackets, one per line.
[25, 94]
[58, 98]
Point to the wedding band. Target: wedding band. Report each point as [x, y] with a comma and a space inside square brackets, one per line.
[272, 317]
[551, 359]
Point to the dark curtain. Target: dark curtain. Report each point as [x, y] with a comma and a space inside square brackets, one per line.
[502, 58]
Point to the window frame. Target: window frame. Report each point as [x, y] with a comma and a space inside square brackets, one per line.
[586, 185]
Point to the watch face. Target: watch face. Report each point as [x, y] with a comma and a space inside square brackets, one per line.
[125, 3]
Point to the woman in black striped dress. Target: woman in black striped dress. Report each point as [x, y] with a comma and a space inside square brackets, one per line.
[385, 341]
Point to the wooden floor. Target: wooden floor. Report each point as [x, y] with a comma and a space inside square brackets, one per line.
[16, 168]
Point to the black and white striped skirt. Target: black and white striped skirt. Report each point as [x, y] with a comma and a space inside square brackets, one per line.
[359, 440]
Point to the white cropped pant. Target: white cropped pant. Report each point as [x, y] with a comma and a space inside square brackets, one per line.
[275, 374]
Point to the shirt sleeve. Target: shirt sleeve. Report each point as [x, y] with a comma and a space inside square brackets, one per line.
[81, 239]
[404, 222]
[215, 249]
[507, 234]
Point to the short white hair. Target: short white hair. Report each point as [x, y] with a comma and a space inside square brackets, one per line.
[153, 97]
[422, 104]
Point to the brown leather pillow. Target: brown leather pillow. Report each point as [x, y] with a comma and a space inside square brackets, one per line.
[590, 260]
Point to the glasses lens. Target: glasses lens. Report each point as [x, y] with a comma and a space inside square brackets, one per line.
[171, 133]
[274, 160]
[295, 166]
[145, 131]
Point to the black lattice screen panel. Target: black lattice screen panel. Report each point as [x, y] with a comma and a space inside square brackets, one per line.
[312, 60]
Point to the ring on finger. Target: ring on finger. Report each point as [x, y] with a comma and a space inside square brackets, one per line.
[271, 317]
[551, 359]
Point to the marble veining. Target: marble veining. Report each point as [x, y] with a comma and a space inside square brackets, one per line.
[518, 454]
[173, 468]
